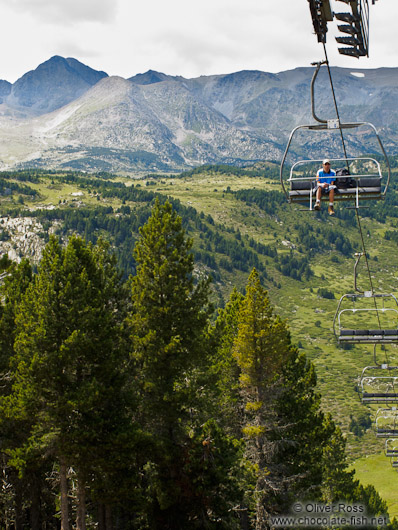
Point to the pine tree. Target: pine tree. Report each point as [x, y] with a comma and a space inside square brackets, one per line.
[68, 366]
[298, 453]
[303, 435]
[13, 488]
[169, 344]
[224, 372]
[12, 289]
[262, 347]
[228, 406]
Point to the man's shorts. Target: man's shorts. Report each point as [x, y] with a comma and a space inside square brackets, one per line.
[325, 191]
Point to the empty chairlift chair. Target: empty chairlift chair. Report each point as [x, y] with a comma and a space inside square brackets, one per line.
[359, 319]
[391, 448]
[386, 424]
[379, 385]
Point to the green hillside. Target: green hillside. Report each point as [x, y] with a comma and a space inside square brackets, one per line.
[238, 220]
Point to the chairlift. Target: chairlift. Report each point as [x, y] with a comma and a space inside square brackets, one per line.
[365, 316]
[379, 389]
[365, 183]
[386, 423]
[378, 325]
[391, 447]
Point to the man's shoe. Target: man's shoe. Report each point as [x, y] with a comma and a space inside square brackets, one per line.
[331, 210]
[317, 205]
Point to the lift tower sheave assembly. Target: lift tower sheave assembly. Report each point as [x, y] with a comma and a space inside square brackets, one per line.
[355, 27]
[321, 14]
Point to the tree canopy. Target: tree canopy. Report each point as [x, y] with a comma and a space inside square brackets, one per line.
[124, 405]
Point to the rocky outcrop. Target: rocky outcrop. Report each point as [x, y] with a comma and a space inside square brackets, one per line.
[22, 237]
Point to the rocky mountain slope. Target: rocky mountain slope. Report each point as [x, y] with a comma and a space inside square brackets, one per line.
[65, 114]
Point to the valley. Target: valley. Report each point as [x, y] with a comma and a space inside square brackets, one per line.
[238, 219]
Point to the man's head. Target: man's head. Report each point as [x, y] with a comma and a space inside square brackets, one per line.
[326, 164]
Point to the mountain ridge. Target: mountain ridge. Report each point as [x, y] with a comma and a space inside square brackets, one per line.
[153, 121]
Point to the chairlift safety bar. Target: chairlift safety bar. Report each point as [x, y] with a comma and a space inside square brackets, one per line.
[323, 127]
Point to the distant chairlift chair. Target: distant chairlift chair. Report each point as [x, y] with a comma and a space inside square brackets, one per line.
[386, 423]
[379, 389]
[367, 336]
[391, 448]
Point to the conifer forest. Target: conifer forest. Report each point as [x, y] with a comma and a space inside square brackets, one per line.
[132, 404]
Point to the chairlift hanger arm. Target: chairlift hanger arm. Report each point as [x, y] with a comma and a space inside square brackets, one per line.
[315, 75]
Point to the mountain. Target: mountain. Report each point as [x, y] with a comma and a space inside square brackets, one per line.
[150, 77]
[5, 89]
[53, 84]
[67, 115]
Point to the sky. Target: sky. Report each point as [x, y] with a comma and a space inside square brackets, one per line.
[181, 37]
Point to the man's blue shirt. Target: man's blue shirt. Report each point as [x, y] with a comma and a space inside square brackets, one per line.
[322, 176]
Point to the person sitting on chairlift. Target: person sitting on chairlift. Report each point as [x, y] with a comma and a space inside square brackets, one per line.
[325, 180]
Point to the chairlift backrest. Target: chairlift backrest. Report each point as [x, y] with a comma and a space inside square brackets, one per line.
[368, 324]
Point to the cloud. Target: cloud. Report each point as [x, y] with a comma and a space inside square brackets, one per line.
[224, 39]
[71, 48]
[60, 12]
[178, 37]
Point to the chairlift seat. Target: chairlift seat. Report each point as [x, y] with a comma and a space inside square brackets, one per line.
[347, 17]
[367, 187]
[379, 397]
[370, 336]
[386, 433]
[381, 394]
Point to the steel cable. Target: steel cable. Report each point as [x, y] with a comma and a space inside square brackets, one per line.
[356, 208]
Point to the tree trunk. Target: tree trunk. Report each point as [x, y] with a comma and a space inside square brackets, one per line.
[81, 505]
[18, 504]
[244, 518]
[34, 504]
[101, 517]
[64, 496]
[108, 517]
[104, 517]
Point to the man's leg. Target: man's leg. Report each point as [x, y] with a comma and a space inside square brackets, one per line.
[331, 202]
[318, 198]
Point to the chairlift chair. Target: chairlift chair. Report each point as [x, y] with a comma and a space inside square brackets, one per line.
[359, 186]
[386, 423]
[299, 188]
[379, 389]
[391, 448]
[387, 333]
